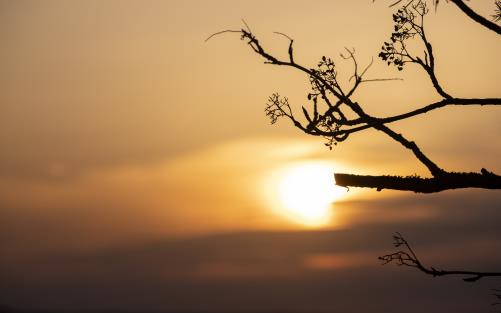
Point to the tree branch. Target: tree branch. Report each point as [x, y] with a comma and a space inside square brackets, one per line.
[331, 104]
[446, 181]
[409, 22]
[407, 257]
[434, 169]
[477, 18]
[425, 109]
[470, 13]
[441, 104]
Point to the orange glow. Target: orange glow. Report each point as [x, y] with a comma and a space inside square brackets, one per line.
[333, 261]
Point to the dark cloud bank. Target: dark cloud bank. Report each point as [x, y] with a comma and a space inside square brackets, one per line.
[268, 272]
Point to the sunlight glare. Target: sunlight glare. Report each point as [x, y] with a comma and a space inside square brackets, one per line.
[306, 193]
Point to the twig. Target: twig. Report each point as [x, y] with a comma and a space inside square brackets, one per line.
[407, 257]
[222, 32]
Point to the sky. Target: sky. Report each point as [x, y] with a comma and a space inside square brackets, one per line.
[138, 171]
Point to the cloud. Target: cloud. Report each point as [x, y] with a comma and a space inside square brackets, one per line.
[260, 271]
[217, 188]
[185, 233]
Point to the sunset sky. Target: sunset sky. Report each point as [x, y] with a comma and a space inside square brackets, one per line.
[139, 172]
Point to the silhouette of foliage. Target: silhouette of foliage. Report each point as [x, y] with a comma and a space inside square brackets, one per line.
[331, 105]
[497, 15]
[395, 51]
[469, 12]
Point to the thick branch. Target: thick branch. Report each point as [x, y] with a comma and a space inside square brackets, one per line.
[477, 18]
[409, 258]
[441, 104]
[484, 179]
[422, 110]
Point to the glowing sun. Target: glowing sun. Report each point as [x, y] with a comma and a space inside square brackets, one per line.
[306, 193]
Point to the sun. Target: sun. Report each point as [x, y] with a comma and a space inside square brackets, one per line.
[306, 193]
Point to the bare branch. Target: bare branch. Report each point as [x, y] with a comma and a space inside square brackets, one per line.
[441, 104]
[291, 41]
[324, 79]
[478, 18]
[407, 257]
[434, 169]
[409, 22]
[222, 32]
[484, 179]
[279, 33]
[246, 26]
[379, 80]
[278, 107]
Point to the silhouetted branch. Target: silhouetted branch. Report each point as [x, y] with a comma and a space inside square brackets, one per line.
[478, 18]
[291, 51]
[331, 113]
[324, 84]
[469, 12]
[484, 179]
[441, 104]
[409, 23]
[407, 257]
[222, 32]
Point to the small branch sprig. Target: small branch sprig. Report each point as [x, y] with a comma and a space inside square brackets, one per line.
[408, 23]
[401, 257]
[407, 257]
[496, 17]
[277, 107]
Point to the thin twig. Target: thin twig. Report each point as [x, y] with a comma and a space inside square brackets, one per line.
[409, 258]
[246, 26]
[222, 32]
[279, 33]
